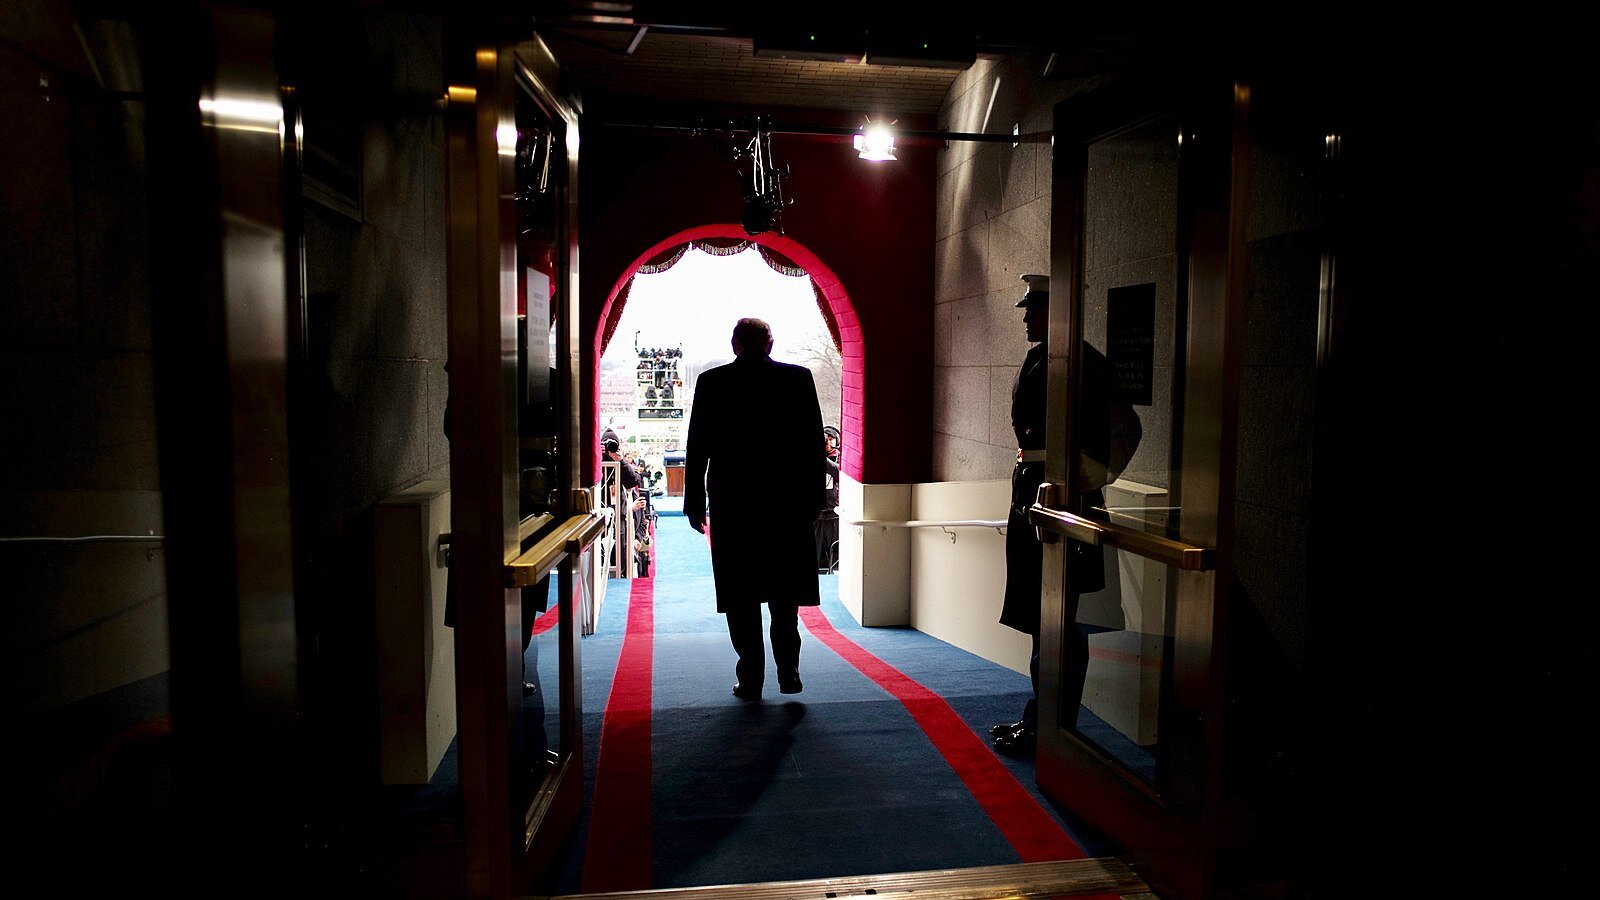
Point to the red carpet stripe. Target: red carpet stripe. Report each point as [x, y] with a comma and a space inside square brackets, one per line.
[1033, 834]
[547, 620]
[618, 854]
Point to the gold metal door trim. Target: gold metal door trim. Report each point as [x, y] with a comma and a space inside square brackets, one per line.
[1094, 876]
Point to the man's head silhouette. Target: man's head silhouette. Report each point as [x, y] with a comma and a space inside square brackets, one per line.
[752, 337]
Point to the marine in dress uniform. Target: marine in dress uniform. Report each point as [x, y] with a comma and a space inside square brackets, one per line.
[1024, 553]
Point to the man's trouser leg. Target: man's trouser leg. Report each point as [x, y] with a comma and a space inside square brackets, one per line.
[744, 628]
[785, 637]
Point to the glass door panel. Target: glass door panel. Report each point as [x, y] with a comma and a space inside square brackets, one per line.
[538, 179]
[519, 524]
[1128, 427]
[1129, 415]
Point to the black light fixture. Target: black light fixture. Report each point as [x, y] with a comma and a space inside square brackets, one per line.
[758, 217]
[763, 197]
[763, 184]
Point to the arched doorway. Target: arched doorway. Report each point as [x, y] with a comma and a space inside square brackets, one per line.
[784, 254]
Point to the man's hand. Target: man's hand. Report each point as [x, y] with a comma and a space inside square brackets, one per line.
[697, 521]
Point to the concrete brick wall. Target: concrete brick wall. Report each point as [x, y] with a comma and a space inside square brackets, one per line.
[992, 226]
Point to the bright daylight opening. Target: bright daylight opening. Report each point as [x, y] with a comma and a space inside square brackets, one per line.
[677, 324]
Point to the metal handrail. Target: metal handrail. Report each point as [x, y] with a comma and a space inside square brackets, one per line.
[931, 523]
[944, 525]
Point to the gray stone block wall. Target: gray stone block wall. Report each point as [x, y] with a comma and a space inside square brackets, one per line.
[992, 226]
[377, 286]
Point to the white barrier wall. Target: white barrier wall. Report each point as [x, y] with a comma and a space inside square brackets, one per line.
[893, 575]
[874, 562]
[416, 652]
[957, 587]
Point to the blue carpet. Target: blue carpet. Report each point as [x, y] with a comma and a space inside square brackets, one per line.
[838, 780]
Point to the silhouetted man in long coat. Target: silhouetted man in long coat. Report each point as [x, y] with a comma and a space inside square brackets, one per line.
[755, 451]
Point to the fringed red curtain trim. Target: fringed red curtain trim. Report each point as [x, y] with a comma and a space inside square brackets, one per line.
[779, 263]
[616, 314]
[720, 246]
[827, 314]
[662, 262]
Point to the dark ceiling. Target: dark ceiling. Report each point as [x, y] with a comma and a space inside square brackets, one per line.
[629, 57]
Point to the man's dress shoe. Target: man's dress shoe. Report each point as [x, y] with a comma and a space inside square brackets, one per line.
[744, 693]
[1021, 741]
[790, 684]
[1006, 728]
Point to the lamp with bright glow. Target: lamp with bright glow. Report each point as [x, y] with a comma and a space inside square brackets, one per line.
[875, 142]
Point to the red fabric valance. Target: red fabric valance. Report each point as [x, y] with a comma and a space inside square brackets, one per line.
[780, 263]
[720, 246]
[616, 316]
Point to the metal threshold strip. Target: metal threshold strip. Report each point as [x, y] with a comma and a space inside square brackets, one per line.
[1071, 878]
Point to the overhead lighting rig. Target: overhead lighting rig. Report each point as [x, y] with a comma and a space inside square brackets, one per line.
[763, 176]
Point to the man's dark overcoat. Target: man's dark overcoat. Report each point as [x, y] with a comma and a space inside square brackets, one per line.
[754, 465]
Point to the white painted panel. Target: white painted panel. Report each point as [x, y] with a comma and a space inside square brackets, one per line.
[957, 587]
[874, 561]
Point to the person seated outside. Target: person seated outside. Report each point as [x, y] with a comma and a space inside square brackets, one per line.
[826, 528]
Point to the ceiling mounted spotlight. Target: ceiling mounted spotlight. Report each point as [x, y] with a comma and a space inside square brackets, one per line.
[875, 141]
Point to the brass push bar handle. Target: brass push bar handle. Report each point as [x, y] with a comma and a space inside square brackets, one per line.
[1051, 522]
[571, 538]
[1058, 521]
[528, 526]
[593, 527]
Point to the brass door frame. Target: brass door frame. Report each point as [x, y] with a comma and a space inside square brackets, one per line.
[1170, 830]
[506, 842]
[557, 806]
